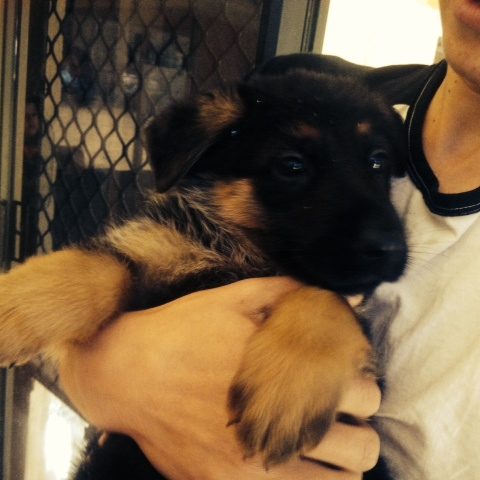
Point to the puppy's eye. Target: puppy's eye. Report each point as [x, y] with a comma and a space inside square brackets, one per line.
[290, 166]
[378, 160]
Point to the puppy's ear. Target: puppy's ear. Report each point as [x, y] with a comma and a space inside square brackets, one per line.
[177, 138]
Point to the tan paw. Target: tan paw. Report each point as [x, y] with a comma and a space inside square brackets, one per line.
[54, 300]
[19, 342]
[283, 415]
[286, 394]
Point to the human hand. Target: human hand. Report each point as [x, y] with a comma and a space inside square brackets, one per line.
[162, 375]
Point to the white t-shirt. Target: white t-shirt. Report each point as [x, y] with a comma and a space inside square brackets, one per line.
[426, 328]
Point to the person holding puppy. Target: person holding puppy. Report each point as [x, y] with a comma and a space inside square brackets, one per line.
[425, 326]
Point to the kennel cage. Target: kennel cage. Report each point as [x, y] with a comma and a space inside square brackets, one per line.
[80, 80]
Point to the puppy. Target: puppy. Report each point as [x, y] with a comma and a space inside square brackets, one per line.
[282, 175]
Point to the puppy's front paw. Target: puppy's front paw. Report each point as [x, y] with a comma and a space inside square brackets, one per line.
[51, 301]
[283, 409]
[286, 394]
[19, 338]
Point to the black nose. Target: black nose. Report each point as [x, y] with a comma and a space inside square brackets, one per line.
[381, 244]
[383, 250]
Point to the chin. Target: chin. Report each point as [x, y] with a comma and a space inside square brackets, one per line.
[462, 50]
[468, 69]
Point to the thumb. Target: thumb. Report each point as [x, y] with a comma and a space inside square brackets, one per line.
[256, 297]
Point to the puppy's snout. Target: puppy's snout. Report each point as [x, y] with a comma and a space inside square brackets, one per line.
[384, 250]
[381, 244]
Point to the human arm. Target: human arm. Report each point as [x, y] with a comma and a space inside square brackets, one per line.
[161, 376]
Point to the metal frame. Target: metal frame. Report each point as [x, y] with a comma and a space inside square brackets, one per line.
[14, 22]
[14, 19]
[321, 25]
[298, 26]
[270, 29]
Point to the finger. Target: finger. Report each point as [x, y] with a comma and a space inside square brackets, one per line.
[328, 473]
[359, 452]
[256, 297]
[362, 398]
[297, 469]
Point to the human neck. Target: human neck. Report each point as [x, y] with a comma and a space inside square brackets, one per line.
[451, 135]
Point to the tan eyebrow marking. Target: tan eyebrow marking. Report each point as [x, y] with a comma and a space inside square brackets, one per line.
[306, 131]
[219, 110]
[364, 128]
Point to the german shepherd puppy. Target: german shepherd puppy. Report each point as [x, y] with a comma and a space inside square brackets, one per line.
[284, 174]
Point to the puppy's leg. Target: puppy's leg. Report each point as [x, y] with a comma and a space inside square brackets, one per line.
[59, 298]
[285, 396]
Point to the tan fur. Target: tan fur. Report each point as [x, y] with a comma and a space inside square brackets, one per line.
[52, 300]
[219, 111]
[364, 128]
[294, 371]
[164, 254]
[237, 204]
[243, 253]
[304, 131]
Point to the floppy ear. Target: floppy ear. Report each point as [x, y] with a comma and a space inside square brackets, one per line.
[183, 132]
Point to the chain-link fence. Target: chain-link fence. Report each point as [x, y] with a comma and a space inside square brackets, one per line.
[111, 65]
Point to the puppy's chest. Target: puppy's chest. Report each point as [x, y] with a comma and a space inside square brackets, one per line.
[153, 290]
[182, 263]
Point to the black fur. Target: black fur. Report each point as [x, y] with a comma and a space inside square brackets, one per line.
[119, 458]
[319, 153]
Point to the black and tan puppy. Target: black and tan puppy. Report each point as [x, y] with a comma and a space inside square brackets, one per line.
[286, 174]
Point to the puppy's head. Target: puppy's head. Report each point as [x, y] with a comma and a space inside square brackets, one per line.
[302, 162]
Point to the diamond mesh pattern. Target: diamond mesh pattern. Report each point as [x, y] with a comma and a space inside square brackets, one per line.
[110, 66]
